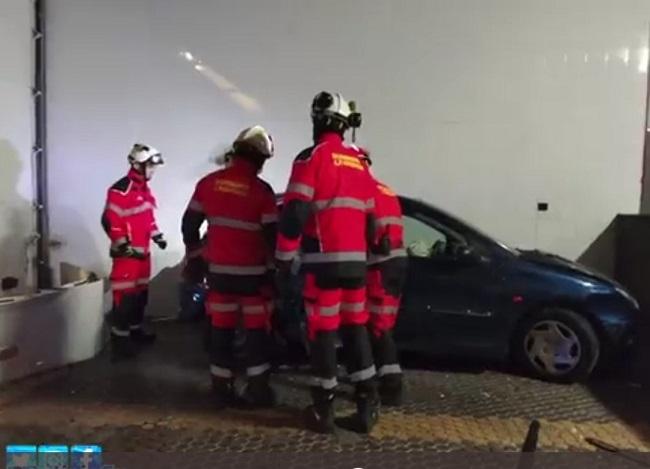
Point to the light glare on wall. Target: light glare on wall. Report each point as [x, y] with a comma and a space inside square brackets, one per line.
[644, 55]
[624, 55]
[243, 100]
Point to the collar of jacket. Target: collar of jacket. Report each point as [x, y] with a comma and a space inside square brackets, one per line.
[329, 137]
[137, 178]
[242, 165]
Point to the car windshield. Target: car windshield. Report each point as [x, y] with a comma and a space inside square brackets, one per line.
[472, 227]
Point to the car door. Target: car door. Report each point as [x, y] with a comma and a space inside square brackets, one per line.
[451, 291]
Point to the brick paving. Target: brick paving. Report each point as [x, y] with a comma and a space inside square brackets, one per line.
[161, 403]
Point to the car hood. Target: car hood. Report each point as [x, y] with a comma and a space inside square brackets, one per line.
[560, 263]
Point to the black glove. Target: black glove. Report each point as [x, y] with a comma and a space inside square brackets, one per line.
[383, 247]
[126, 250]
[160, 241]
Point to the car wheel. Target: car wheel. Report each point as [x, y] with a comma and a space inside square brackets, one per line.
[556, 345]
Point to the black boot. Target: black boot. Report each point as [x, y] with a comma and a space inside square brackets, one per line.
[223, 392]
[391, 390]
[142, 337]
[367, 415]
[259, 394]
[121, 348]
[319, 417]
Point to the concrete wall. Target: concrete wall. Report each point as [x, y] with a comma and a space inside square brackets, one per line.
[483, 108]
[16, 118]
[50, 330]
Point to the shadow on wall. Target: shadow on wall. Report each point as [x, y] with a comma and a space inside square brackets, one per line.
[15, 219]
[163, 292]
[17, 323]
[84, 249]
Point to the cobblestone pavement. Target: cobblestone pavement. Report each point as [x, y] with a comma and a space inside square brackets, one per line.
[161, 402]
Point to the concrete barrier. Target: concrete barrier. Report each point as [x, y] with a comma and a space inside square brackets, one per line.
[50, 329]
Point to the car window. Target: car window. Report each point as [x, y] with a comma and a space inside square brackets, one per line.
[422, 240]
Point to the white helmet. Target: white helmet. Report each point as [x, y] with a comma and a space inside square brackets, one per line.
[327, 104]
[255, 138]
[145, 154]
[332, 111]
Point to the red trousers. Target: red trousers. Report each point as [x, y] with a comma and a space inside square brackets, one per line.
[382, 305]
[129, 275]
[327, 309]
[225, 309]
[130, 285]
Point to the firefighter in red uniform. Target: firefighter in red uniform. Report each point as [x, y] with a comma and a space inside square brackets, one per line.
[328, 216]
[129, 221]
[387, 263]
[241, 212]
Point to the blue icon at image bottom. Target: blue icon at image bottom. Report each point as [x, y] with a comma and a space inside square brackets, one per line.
[86, 457]
[53, 457]
[21, 457]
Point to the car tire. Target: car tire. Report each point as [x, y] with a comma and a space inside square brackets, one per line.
[556, 345]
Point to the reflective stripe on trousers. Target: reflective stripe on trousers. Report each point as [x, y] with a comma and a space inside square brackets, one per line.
[375, 309]
[223, 307]
[318, 257]
[363, 375]
[238, 269]
[220, 372]
[253, 371]
[126, 285]
[119, 332]
[336, 309]
[393, 369]
[285, 255]
[324, 383]
[258, 309]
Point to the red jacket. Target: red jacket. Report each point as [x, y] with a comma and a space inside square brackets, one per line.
[389, 231]
[129, 213]
[328, 210]
[241, 212]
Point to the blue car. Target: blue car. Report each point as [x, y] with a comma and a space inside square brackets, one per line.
[470, 296]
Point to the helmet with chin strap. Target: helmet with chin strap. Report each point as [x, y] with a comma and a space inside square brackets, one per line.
[144, 158]
[331, 111]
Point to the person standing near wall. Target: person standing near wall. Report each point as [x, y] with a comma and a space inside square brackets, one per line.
[242, 217]
[129, 222]
[328, 215]
[387, 263]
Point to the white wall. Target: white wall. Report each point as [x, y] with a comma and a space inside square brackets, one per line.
[16, 117]
[481, 107]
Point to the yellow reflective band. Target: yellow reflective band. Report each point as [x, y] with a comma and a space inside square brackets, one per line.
[231, 187]
[347, 161]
